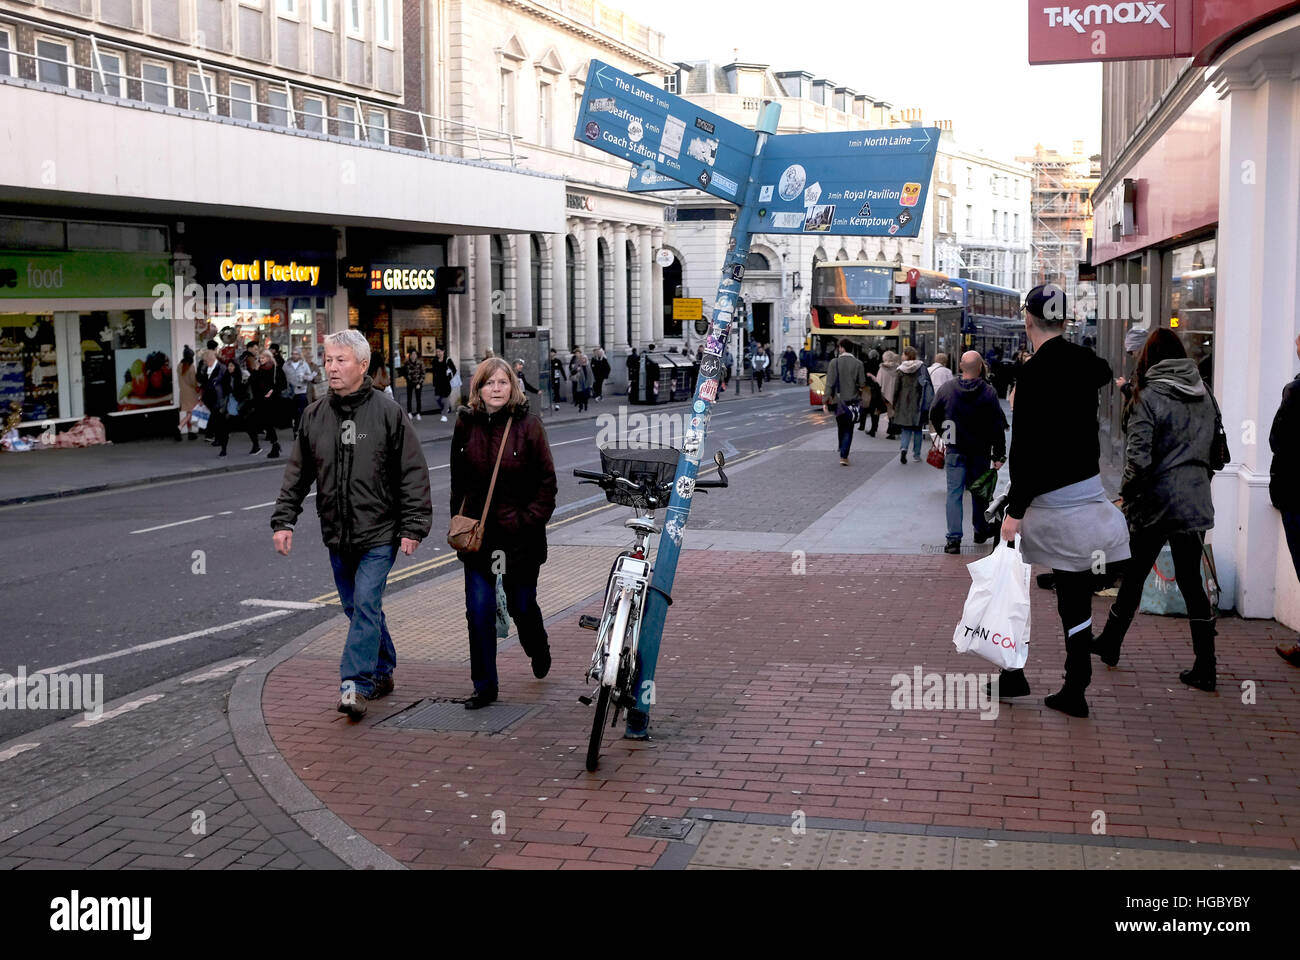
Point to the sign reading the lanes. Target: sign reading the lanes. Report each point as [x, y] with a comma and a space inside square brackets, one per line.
[851, 183]
[664, 133]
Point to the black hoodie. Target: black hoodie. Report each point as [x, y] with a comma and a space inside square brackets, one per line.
[978, 423]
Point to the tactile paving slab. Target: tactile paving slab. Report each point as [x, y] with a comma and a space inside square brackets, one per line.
[757, 847]
[975, 854]
[1127, 858]
[851, 850]
[443, 715]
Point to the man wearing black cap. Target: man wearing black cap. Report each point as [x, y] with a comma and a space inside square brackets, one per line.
[1069, 524]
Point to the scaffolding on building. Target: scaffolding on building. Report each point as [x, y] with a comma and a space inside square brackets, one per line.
[1061, 209]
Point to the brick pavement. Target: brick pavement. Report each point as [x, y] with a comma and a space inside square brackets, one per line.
[774, 695]
[148, 820]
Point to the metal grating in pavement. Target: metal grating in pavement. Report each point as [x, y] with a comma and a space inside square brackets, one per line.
[663, 828]
[443, 715]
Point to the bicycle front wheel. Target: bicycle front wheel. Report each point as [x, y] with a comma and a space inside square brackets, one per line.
[597, 728]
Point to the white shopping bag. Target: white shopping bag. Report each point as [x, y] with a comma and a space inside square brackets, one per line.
[995, 622]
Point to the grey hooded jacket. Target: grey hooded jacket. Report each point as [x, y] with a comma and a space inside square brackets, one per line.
[1167, 473]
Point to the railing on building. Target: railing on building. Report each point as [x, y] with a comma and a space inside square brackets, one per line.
[370, 125]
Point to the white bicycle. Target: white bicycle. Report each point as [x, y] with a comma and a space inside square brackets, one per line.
[640, 478]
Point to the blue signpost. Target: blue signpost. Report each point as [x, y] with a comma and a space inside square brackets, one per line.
[864, 182]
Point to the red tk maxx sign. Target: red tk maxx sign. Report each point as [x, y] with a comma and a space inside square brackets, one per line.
[1075, 32]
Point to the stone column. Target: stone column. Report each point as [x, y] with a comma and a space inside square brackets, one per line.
[643, 323]
[1256, 322]
[481, 326]
[618, 339]
[657, 294]
[523, 281]
[591, 308]
[460, 343]
[559, 294]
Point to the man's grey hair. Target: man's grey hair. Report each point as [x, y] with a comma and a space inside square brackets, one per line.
[355, 340]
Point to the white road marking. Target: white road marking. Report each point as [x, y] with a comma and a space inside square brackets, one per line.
[259, 506]
[15, 750]
[219, 671]
[124, 708]
[178, 523]
[441, 466]
[225, 513]
[282, 604]
[152, 645]
[579, 440]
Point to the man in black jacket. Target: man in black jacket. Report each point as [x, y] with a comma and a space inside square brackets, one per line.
[372, 497]
[967, 415]
[1284, 482]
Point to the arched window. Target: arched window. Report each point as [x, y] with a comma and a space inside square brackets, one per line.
[498, 271]
[842, 255]
[631, 259]
[672, 288]
[570, 257]
[756, 261]
[602, 278]
[535, 274]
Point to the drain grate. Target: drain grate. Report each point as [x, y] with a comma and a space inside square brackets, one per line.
[452, 715]
[663, 828]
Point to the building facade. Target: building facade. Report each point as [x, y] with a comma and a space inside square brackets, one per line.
[194, 170]
[990, 218]
[1196, 229]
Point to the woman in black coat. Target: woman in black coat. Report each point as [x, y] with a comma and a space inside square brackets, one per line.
[1166, 494]
[514, 536]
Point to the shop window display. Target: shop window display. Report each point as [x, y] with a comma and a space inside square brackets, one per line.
[29, 372]
[1189, 305]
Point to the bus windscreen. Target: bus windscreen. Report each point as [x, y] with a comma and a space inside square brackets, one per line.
[835, 286]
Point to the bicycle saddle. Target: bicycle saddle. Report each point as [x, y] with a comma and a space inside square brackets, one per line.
[640, 523]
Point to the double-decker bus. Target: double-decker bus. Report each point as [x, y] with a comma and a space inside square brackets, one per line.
[879, 306]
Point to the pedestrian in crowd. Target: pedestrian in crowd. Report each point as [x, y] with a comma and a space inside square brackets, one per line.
[413, 373]
[1166, 494]
[1056, 500]
[761, 360]
[807, 360]
[940, 372]
[907, 399]
[966, 412]
[788, 361]
[237, 407]
[497, 427]
[1284, 483]
[600, 371]
[873, 402]
[372, 498]
[871, 362]
[523, 381]
[264, 386]
[1134, 339]
[727, 362]
[189, 381]
[580, 379]
[845, 378]
[887, 376]
[379, 374]
[283, 405]
[558, 375]
[300, 375]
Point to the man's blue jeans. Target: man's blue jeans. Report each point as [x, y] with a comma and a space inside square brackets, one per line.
[914, 434]
[844, 426]
[962, 471]
[520, 584]
[368, 653]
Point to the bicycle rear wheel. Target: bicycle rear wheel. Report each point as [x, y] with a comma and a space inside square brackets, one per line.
[597, 728]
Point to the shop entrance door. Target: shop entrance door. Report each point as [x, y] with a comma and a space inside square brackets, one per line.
[98, 366]
[762, 322]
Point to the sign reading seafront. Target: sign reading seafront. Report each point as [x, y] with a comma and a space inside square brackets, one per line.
[664, 134]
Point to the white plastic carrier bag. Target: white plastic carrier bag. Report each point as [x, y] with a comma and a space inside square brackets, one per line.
[995, 622]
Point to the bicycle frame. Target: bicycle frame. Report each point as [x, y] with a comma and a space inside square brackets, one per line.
[630, 578]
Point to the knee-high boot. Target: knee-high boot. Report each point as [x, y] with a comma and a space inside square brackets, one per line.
[1078, 674]
[1203, 672]
[1107, 645]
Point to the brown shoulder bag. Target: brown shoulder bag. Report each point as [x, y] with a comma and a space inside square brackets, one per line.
[465, 534]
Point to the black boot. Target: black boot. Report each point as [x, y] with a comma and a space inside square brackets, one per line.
[1202, 674]
[1112, 635]
[1078, 674]
[1011, 683]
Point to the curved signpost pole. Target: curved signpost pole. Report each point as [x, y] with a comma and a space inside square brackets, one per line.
[706, 395]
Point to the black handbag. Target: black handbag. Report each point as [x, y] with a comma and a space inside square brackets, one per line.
[1220, 455]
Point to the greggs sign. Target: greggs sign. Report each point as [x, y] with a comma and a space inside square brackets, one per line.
[1142, 30]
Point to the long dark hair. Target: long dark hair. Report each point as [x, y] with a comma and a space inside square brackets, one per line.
[1161, 344]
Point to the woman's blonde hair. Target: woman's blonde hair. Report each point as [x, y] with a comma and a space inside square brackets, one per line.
[485, 370]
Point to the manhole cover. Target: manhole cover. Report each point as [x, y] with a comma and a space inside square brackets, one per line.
[663, 828]
[452, 715]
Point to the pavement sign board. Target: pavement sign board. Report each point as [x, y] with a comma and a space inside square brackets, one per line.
[856, 183]
[664, 133]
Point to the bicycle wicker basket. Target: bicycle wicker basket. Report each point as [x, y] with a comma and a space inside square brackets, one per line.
[645, 461]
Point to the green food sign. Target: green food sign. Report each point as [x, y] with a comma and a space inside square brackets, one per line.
[27, 275]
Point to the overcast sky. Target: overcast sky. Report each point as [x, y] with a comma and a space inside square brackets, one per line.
[960, 60]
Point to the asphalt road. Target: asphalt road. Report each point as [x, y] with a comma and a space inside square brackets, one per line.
[154, 582]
